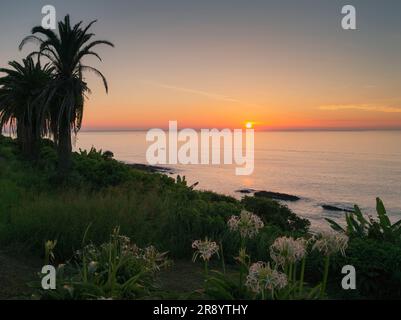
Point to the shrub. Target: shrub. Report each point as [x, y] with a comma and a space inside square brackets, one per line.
[378, 267]
[99, 169]
[375, 252]
[274, 213]
[378, 229]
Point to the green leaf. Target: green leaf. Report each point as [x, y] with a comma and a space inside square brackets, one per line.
[381, 211]
[335, 226]
[396, 225]
[350, 225]
[360, 216]
[359, 229]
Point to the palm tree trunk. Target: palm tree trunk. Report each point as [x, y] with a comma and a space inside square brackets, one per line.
[33, 145]
[20, 134]
[27, 143]
[64, 149]
[36, 140]
[27, 139]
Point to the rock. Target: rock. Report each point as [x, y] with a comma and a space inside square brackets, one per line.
[149, 168]
[245, 191]
[277, 196]
[335, 208]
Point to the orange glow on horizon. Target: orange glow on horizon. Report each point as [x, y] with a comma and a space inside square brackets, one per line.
[249, 125]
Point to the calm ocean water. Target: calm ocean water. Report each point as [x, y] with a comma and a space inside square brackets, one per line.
[336, 168]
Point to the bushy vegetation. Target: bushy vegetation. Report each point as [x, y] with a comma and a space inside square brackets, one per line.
[157, 210]
[375, 250]
[150, 208]
[380, 229]
[278, 215]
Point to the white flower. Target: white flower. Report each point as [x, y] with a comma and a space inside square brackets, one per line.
[286, 250]
[154, 259]
[247, 224]
[92, 266]
[261, 277]
[330, 243]
[206, 249]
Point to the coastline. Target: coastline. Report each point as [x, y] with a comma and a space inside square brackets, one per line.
[150, 168]
[330, 169]
[335, 211]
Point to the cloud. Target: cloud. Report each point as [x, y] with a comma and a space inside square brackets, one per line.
[361, 107]
[211, 95]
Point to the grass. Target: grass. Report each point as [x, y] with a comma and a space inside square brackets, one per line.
[149, 208]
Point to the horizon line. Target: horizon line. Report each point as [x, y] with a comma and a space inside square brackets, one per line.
[323, 129]
[339, 129]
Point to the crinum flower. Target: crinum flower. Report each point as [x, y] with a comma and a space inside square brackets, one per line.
[262, 277]
[154, 259]
[329, 243]
[247, 224]
[287, 250]
[205, 249]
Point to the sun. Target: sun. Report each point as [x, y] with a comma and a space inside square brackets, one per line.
[249, 125]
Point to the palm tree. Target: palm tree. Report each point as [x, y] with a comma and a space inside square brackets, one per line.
[20, 92]
[66, 94]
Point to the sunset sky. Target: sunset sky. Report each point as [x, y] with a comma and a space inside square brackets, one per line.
[281, 64]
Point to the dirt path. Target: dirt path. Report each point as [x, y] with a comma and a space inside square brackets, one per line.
[186, 277]
[182, 277]
[15, 273]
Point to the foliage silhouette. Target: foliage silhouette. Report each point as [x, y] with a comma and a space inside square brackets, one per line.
[64, 97]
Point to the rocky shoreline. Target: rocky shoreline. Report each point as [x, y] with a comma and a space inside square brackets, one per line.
[270, 194]
[329, 207]
[292, 198]
[150, 168]
[247, 191]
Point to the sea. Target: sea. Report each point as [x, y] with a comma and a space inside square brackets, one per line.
[337, 168]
